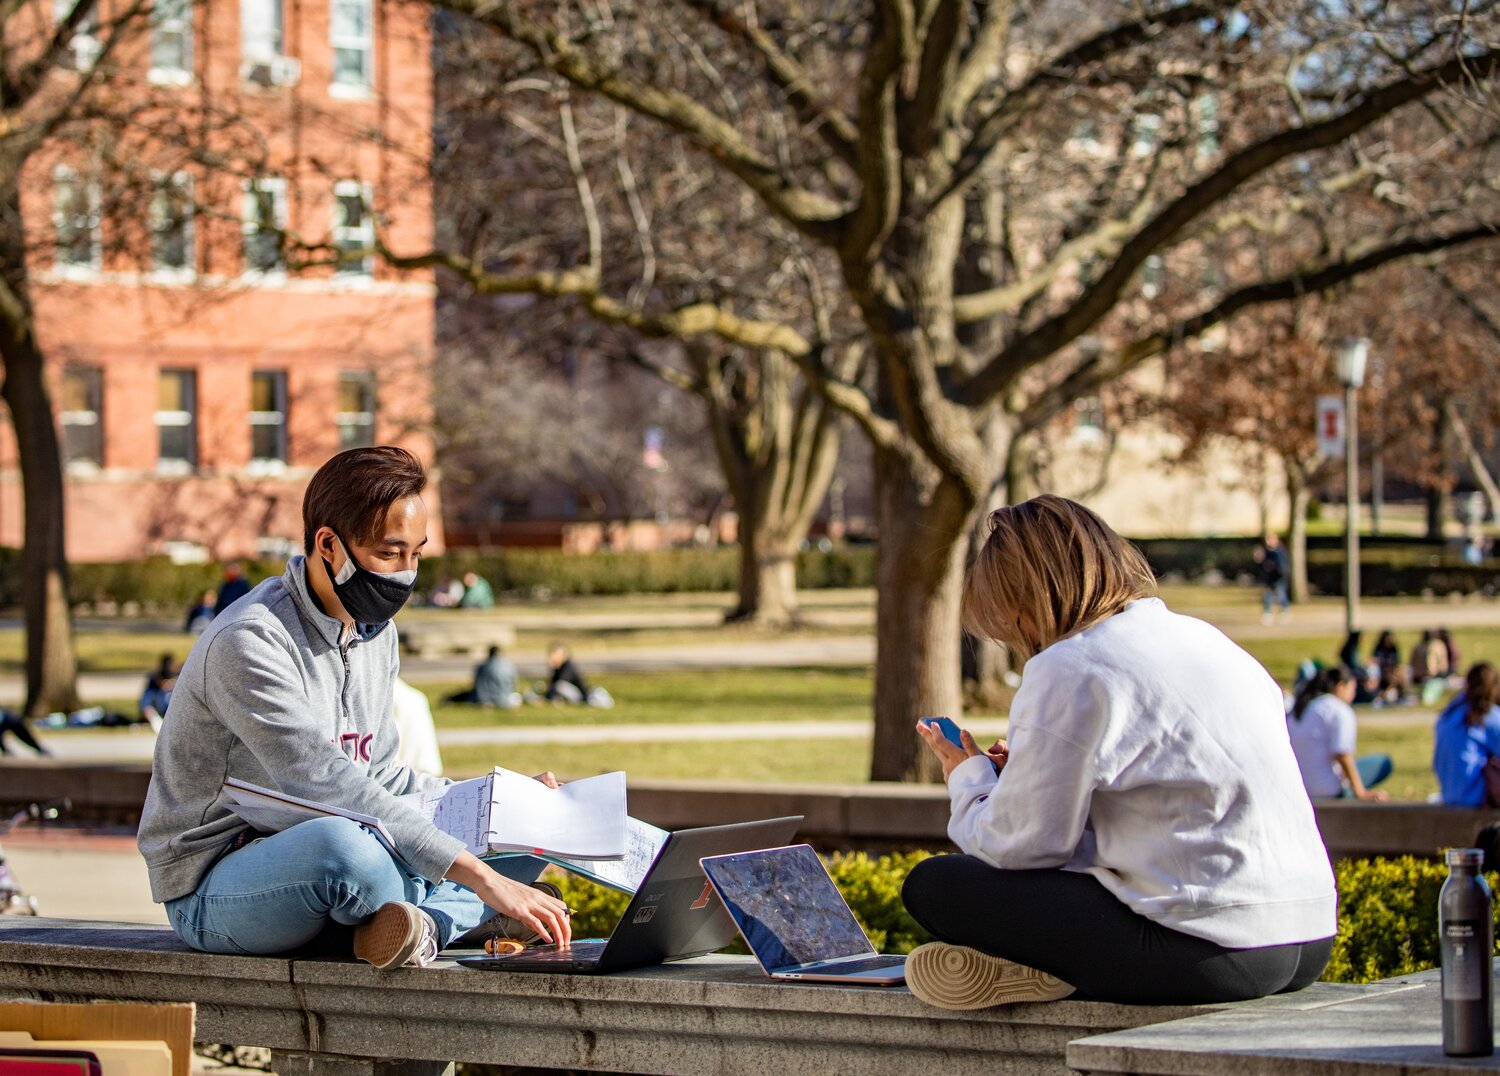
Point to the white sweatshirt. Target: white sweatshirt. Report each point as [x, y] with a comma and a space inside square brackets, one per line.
[1152, 752]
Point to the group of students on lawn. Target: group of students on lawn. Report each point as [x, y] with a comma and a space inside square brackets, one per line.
[1143, 835]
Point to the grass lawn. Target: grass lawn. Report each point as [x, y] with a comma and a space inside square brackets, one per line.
[1410, 749]
[695, 695]
[819, 761]
[119, 650]
[1281, 655]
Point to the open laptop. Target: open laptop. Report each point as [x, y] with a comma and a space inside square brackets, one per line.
[674, 915]
[795, 919]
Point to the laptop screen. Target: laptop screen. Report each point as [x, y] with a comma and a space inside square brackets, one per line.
[787, 906]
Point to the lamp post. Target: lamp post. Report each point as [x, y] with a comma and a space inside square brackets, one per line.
[1351, 356]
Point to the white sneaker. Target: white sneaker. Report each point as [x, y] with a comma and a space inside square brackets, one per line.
[957, 977]
[399, 934]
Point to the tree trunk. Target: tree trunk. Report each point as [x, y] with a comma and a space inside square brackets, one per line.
[777, 444]
[1299, 495]
[768, 576]
[51, 669]
[1475, 459]
[1439, 490]
[919, 565]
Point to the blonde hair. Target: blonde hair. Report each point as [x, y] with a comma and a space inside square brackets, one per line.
[1057, 564]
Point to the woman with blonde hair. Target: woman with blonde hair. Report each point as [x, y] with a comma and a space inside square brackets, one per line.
[1143, 837]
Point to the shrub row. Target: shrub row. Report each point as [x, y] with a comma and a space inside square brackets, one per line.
[157, 585]
[1387, 910]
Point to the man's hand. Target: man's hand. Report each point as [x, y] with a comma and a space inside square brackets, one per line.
[547, 779]
[544, 914]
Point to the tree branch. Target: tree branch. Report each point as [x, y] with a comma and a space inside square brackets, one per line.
[879, 156]
[1098, 300]
[1095, 373]
[992, 128]
[811, 213]
[820, 115]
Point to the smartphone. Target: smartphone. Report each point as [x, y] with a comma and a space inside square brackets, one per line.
[949, 730]
[950, 733]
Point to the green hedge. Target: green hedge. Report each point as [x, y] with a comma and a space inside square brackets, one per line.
[157, 585]
[1387, 910]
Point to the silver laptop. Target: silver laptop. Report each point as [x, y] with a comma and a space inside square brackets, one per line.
[795, 920]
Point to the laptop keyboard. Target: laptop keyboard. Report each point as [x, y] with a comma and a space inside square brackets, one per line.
[580, 951]
[869, 963]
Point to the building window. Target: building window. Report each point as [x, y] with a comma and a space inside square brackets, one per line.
[264, 223]
[84, 47]
[177, 421]
[268, 418]
[172, 224]
[1153, 276]
[350, 33]
[171, 42]
[1208, 126]
[356, 416]
[82, 405]
[75, 214]
[353, 226]
[261, 37]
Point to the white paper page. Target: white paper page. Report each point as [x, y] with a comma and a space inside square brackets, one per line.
[642, 843]
[272, 811]
[464, 812]
[582, 819]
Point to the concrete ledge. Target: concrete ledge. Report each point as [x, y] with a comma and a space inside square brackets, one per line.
[465, 634]
[869, 816]
[1393, 1027]
[711, 1015]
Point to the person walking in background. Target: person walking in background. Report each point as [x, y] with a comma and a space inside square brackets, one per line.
[234, 587]
[158, 693]
[201, 615]
[1274, 570]
[1143, 837]
[1322, 730]
[1465, 740]
[14, 724]
[477, 592]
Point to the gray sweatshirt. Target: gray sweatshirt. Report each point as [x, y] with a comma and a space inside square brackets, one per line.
[268, 695]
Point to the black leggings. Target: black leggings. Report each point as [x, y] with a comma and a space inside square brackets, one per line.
[1067, 924]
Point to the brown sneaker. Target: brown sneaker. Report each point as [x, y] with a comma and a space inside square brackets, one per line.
[957, 977]
[399, 933]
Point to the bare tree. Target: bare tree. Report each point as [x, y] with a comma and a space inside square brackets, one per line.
[1107, 144]
[648, 211]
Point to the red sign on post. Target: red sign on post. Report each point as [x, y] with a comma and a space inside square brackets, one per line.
[1331, 425]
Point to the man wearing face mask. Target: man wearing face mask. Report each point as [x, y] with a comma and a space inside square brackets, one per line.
[291, 689]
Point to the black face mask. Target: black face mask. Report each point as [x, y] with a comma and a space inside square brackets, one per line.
[369, 597]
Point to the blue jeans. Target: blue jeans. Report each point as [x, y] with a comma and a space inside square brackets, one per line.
[1275, 594]
[311, 884]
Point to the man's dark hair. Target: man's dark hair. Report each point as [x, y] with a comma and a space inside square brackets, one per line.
[494, 651]
[353, 492]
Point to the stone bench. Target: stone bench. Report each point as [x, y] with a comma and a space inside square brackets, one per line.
[719, 1014]
[462, 634]
[1393, 1027]
[876, 817]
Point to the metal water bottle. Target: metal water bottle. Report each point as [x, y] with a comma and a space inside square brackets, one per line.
[1466, 928]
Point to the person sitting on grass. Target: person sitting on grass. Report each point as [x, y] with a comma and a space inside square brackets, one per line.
[158, 693]
[1466, 738]
[1321, 726]
[1143, 837]
[567, 683]
[291, 689]
[494, 683]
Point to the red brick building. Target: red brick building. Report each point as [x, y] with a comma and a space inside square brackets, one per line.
[202, 375]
